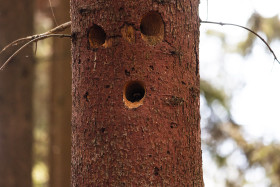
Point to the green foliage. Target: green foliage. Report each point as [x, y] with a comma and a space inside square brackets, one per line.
[257, 153]
[269, 27]
[211, 94]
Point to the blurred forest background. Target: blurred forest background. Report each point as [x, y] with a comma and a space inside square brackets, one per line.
[231, 157]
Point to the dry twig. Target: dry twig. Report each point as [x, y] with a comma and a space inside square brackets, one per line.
[53, 33]
[35, 38]
[231, 24]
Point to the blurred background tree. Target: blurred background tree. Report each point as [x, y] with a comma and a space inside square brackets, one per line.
[61, 103]
[52, 133]
[16, 20]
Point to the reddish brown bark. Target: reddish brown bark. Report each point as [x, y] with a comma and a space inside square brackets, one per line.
[135, 112]
[16, 80]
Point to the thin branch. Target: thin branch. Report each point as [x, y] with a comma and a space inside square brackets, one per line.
[231, 24]
[57, 29]
[37, 38]
[53, 12]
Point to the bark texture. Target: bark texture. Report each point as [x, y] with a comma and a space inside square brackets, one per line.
[60, 129]
[16, 20]
[124, 51]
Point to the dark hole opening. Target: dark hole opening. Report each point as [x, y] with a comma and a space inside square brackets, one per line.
[86, 96]
[135, 91]
[96, 36]
[151, 24]
[102, 129]
[156, 171]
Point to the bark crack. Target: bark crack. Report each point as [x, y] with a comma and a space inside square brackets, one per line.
[196, 60]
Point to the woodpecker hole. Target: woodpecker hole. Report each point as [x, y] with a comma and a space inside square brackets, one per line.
[96, 36]
[134, 94]
[152, 28]
[128, 33]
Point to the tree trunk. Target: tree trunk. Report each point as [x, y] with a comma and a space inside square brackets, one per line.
[60, 129]
[135, 110]
[16, 80]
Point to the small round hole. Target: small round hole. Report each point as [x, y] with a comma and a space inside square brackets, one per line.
[96, 36]
[152, 27]
[134, 93]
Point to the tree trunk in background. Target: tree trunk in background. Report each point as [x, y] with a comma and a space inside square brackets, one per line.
[135, 111]
[16, 80]
[60, 129]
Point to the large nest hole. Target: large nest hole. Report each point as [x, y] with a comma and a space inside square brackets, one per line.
[152, 27]
[96, 36]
